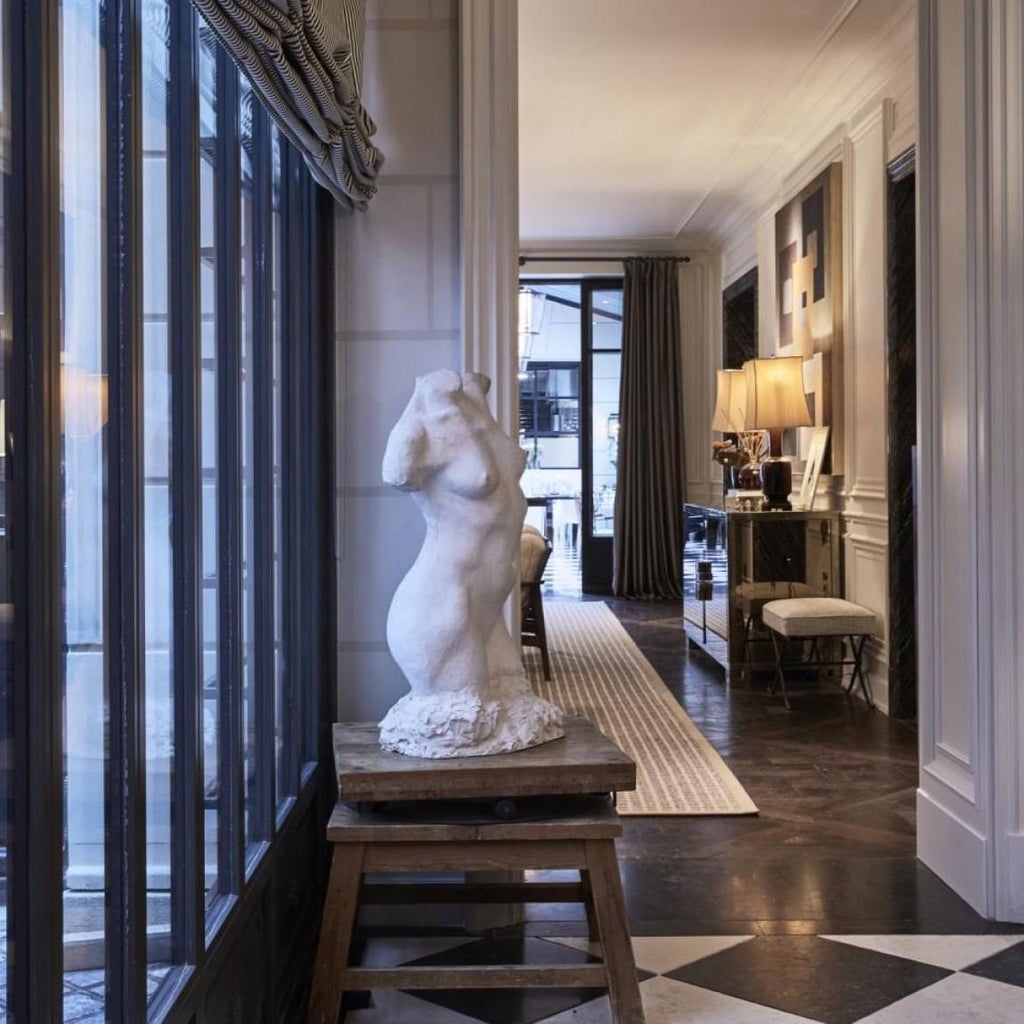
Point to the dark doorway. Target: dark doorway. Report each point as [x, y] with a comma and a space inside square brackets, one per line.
[739, 321]
[902, 411]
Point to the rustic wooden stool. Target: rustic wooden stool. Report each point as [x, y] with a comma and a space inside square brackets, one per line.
[371, 842]
[373, 830]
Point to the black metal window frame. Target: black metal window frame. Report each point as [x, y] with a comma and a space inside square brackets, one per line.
[533, 424]
[32, 239]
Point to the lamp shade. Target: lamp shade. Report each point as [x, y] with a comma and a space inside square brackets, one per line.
[775, 396]
[730, 402]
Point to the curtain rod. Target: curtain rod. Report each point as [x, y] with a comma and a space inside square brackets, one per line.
[592, 259]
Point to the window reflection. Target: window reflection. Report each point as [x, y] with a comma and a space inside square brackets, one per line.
[83, 410]
[210, 619]
[6, 607]
[156, 441]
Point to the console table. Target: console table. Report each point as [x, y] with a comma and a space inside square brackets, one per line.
[767, 556]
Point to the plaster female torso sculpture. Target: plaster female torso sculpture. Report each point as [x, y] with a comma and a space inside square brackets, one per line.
[469, 693]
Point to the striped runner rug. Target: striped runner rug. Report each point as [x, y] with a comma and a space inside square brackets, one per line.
[598, 672]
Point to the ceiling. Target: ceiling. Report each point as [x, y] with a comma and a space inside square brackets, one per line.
[659, 121]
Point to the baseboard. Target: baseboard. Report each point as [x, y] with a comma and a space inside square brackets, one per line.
[955, 851]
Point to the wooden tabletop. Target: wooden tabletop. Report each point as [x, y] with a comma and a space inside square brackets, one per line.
[583, 761]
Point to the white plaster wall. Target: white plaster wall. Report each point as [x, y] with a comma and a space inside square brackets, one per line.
[970, 377]
[399, 315]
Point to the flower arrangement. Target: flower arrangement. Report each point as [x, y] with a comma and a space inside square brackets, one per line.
[748, 448]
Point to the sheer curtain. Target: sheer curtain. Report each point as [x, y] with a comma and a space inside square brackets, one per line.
[304, 60]
[649, 492]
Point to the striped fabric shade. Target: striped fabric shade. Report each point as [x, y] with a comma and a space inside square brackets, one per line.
[304, 60]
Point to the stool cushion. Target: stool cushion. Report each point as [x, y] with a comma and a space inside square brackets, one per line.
[818, 616]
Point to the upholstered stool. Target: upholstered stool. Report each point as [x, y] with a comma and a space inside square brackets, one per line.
[813, 618]
[753, 595]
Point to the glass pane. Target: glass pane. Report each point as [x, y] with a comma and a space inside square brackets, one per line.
[283, 785]
[606, 367]
[6, 607]
[549, 407]
[84, 413]
[156, 441]
[210, 618]
[246, 112]
[607, 320]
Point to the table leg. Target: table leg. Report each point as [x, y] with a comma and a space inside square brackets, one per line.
[339, 918]
[623, 990]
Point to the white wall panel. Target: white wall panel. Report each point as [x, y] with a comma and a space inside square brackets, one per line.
[948, 464]
[374, 568]
[413, 78]
[391, 272]
[398, 309]
[971, 376]
[369, 682]
[445, 309]
[864, 183]
[373, 400]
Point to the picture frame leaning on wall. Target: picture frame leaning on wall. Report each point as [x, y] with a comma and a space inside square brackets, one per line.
[812, 467]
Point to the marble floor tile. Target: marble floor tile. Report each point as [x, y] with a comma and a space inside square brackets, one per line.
[958, 999]
[954, 952]
[508, 1006]
[811, 977]
[389, 952]
[661, 954]
[392, 1007]
[1007, 965]
[673, 1002]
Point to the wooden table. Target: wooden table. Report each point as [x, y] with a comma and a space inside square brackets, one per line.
[574, 775]
[583, 761]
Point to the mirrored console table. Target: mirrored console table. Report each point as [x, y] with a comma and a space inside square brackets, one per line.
[756, 557]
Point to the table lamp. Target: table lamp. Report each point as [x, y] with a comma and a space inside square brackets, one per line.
[775, 401]
[731, 418]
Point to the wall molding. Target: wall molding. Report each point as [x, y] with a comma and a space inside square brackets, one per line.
[954, 850]
[490, 198]
[867, 489]
[1005, 306]
[865, 542]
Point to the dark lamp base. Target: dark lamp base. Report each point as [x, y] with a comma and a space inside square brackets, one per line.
[776, 483]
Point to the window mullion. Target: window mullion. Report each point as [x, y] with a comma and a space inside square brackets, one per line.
[187, 866]
[126, 798]
[35, 869]
[231, 802]
[291, 456]
[264, 756]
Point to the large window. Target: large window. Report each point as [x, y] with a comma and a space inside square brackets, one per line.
[170, 303]
[6, 607]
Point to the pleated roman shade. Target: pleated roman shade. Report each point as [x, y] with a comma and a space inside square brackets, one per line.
[304, 61]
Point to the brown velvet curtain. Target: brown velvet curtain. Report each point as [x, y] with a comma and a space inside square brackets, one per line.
[649, 493]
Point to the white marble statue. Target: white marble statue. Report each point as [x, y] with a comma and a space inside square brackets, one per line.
[446, 629]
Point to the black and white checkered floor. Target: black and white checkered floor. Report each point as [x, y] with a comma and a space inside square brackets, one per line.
[733, 979]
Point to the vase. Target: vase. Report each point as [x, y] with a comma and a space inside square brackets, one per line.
[748, 477]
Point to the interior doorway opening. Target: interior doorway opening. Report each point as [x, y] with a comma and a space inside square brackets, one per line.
[570, 358]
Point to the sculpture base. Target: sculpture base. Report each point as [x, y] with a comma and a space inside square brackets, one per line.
[470, 723]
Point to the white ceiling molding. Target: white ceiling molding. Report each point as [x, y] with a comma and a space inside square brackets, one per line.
[679, 120]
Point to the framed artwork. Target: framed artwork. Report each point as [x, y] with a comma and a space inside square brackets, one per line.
[809, 291]
[812, 467]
